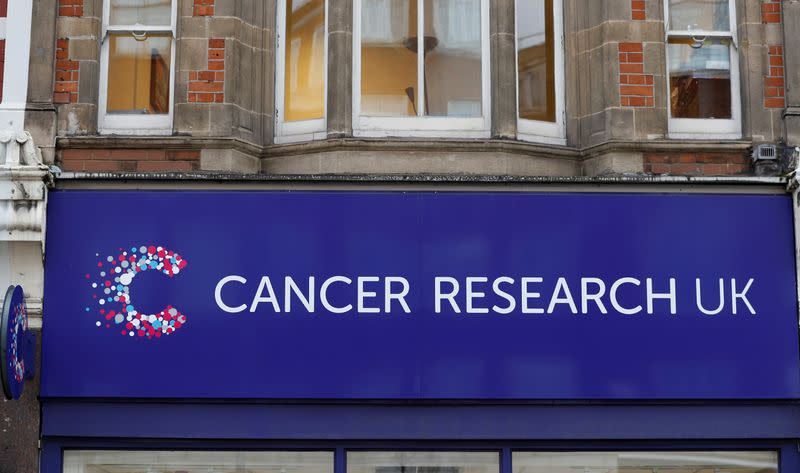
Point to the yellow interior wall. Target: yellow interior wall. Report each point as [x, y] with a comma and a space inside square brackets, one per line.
[128, 75]
[389, 71]
[305, 100]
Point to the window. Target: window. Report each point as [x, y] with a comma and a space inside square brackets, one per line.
[645, 462]
[300, 84]
[121, 461]
[421, 68]
[540, 71]
[423, 462]
[703, 67]
[138, 61]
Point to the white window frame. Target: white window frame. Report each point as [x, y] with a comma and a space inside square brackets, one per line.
[111, 123]
[422, 126]
[707, 128]
[300, 130]
[535, 130]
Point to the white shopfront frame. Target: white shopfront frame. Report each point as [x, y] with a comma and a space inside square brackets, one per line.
[300, 130]
[131, 124]
[536, 130]
[707, 128]
[423, 126]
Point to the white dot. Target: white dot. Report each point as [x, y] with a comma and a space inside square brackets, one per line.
[94, 284]
[102, 301]
[125, 279]
[98, 323]
[130, 334]
[176, 270]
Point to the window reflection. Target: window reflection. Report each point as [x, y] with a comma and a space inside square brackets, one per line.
[700, 78]
[536, 60]
[452, 58]
[142, 12]
[645, 462]
[196, 462]
[304, 97]
[389, 58]
[707, 15]
[449, 50]
[423, 462]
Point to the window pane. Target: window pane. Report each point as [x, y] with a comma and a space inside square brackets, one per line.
[423, 462]
[142, 12]
[196, 462]
[138, 74]
[389, 57]
[700, 78]
[645, 462]
[708, 15]
[304, 96]
[536, 60]
[453, 58]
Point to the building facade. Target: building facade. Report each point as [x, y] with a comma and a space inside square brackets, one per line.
[695, 97]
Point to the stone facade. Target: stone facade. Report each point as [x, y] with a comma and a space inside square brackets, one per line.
[613, 95]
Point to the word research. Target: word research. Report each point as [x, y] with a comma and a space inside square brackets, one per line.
[481, 295]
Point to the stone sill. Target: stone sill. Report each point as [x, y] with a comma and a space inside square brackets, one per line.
[396, 144]
[418, 178]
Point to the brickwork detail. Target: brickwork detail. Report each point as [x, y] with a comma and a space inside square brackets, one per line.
[65, 89]
[771, 11]
[635, 87]
[203, 8]
[638, 10]
[130, 160]
[209, 85]
[70, 7]
[697, 164]
[774, 92]
[3, 8]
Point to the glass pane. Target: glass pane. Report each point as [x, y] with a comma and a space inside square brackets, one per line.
[142, 12]
[304, 95]
[700, 78]
[536, 60]
[389, 57]
[708, 15]
[645, 462]
[423, 462]
[196, 462]
[453, 58]
[138, 74]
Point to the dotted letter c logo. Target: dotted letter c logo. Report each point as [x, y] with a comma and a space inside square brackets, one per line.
[115, 274]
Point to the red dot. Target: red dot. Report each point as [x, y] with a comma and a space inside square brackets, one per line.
[140, 333]
[123, 332]
[151, 250]
[129, 325]
[99, 265]
[87, 276]
[158, 334]
[108, 283]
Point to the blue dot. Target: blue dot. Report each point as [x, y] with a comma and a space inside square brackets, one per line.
[87, 309]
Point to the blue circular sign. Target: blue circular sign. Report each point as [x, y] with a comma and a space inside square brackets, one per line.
[16, 344]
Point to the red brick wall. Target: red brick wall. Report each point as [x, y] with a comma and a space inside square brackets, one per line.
[697, 164]
[130, 160]
[771, 11]
[774, 92]
[635, 87]
[65, 88]
[637, 10]
[209, 85]
[203, 8]
[70, 7]
[3, 8]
